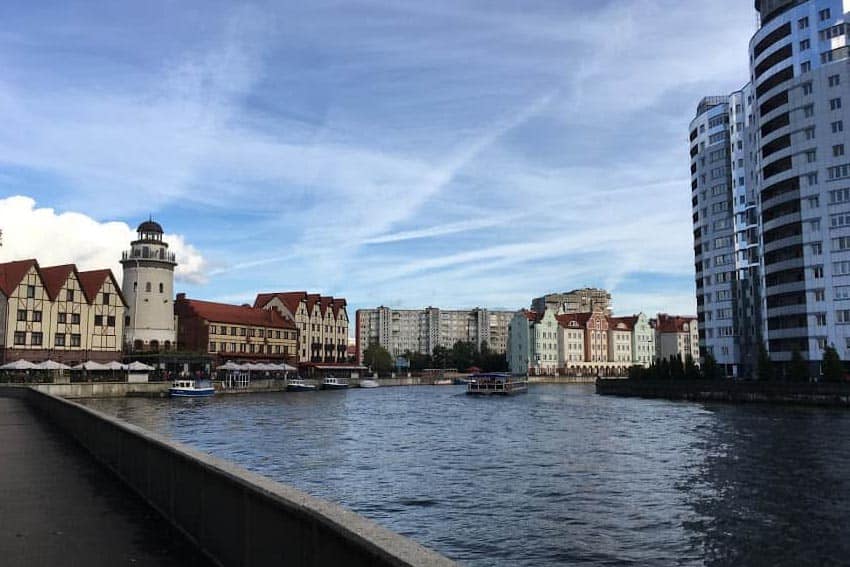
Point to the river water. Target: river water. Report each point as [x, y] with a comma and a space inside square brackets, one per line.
[559, 476]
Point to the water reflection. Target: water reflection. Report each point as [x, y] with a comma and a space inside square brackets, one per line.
[558, 476]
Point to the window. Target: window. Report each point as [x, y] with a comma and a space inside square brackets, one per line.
[212, 346]
[820, 319]
[840, 268]
[720, 207]
[110, 321]
[106, 299]
[30, 291]
[75, 318]
[98, 320]
[842, 317]
[161, 288]
[834, 80]
[837, 126]
[834, 103]
[809, 110]
[61, 317]
[805, 66]
[805, 44]
[69, 294]
[233, 332]
[811, 156]
[834, 31]
[814, 224]
[810, 133]
[59, 340]
[148, 287]
[22, 314]
[75, 340]
[807, 88]
[816, 248]
[841, 243]
[20, 338]
[812, 178]
[839, 220]
[838, 172]
[803, 23]
[838, 150]
[36, 316]
[242, 331]
[823, 15]
[37, 339]
[819, 295]
[817, 272]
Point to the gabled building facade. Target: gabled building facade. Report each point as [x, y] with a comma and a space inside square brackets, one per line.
[322, 323]
[677, 335]
[533, 343]
[60, 313]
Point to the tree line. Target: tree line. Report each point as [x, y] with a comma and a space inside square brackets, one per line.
[462, 356]
[797, 370]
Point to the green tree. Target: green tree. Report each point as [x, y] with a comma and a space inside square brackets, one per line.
[833, 369]
[710, 370]
[677, 369]
[764, 368]
[691, 369]
[798, 370]
[441, 357]
[663, 372]
[462, 355]
[378, 358]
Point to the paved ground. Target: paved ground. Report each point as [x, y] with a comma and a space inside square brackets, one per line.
[60, 507]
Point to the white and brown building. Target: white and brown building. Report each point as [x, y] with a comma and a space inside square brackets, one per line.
[235, 332]
[60, 313]
[676, 335]
[322, 323]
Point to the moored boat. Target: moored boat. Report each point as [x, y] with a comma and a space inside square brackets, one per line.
[497, 383]
[298, 385]
[190, 389]
[334, 383]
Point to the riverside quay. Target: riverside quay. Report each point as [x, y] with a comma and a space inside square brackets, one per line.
[82, 488]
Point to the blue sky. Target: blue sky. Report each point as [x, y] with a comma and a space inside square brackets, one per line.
[441, 153]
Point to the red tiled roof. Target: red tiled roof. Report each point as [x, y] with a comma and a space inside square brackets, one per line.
[312, 300]
[629, 323]
[93, 280]
[55, 277]
[673, 323]
[11, 274]
[337, 305]
[290, 299]
[237, 314]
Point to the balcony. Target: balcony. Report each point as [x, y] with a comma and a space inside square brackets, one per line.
[160, 256]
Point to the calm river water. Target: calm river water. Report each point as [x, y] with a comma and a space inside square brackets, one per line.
[558, 476]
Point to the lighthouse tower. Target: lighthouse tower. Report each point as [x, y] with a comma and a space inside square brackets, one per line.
[148, 287]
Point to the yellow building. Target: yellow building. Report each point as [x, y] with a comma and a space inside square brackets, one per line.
[322, 323]
[59, 313]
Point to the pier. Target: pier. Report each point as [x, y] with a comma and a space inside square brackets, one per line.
[78, 487]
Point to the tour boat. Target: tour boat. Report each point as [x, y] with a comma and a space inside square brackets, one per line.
[185, 388]
[498, 383]
[298, 385]
[334, 383]
[367, 383]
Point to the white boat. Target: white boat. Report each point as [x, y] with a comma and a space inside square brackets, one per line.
[185, 388]
[334, 383]
[298, 385]
[367, 383]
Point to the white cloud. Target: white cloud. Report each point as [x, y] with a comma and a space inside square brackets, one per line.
[63, 238]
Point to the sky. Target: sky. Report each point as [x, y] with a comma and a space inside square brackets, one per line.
[402, 153]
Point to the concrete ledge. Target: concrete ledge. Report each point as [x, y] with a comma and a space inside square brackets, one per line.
[105, 389]
[234, 516]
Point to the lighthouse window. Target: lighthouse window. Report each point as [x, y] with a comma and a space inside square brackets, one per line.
[135, 285]
[161, 288]
[148, 287]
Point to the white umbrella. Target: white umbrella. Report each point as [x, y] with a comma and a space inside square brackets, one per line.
[115, 365]
[252, 366]
[51, 365]
[19, 365]
[139, 367]
[229, 366]
[90, 365]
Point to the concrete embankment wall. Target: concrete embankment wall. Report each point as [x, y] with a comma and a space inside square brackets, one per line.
[821, 394]
[561, 379]
[104, 389]
[236, 517]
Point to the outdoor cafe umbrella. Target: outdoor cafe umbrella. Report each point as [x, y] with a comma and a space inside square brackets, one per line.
[51, 365]
[229, 366]
[115, 365]
[139, 367]
[19, 365]
[91, 365]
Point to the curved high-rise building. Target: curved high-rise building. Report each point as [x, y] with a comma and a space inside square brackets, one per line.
[771, 193]
[148, 287]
